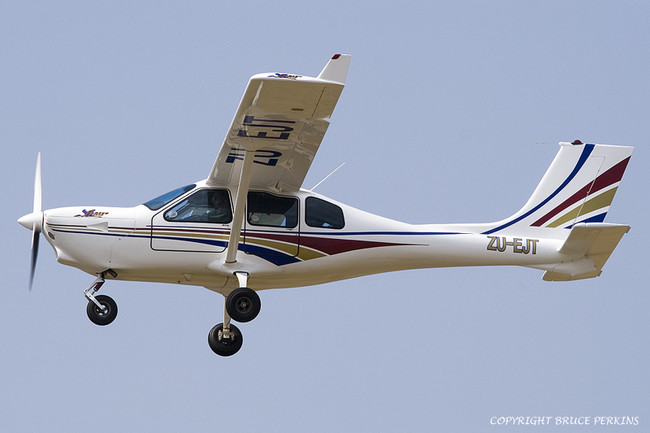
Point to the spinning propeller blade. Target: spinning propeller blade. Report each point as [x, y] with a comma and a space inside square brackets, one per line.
[37, 223]
[34, 220]
[35, 237]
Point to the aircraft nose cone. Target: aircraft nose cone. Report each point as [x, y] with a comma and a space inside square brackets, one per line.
[31, 220]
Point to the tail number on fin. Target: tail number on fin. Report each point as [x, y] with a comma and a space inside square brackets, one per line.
[517, 245]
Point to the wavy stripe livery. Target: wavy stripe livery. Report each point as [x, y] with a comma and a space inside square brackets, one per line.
[275, 248]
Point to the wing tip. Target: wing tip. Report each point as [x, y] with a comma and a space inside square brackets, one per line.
[336, 69]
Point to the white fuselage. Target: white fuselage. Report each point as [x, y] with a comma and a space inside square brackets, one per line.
[139, 244]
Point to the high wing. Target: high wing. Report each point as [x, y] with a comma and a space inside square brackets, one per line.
[274, 136]
[280, 121]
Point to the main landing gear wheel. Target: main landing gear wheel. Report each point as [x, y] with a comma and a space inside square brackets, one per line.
[243, 304]
[222, 344]
[100, 316]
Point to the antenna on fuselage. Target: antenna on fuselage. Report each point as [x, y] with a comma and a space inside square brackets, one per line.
[326, 177]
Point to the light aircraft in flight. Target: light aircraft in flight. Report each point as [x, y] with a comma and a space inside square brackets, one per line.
[251, 226]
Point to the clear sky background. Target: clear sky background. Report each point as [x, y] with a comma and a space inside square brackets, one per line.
[452, 113]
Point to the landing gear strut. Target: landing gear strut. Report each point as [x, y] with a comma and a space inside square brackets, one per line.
[242, 305]
[101, 309]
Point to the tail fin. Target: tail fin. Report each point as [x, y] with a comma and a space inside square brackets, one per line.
[578, 187]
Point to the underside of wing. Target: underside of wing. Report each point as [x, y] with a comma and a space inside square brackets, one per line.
[280, 123]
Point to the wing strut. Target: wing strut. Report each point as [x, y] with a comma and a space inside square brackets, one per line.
[240, 206]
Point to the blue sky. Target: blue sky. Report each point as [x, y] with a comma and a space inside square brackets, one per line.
[452, 113]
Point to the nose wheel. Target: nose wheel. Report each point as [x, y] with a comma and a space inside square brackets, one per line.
[105, 313]
[101, 309]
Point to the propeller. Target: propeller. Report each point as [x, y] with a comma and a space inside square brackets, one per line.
[34, 221]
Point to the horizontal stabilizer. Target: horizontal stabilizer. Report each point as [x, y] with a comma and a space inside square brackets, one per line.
[595, 242]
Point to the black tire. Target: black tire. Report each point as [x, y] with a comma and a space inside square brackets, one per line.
[243, 304]
[225, 346]
[99, 317]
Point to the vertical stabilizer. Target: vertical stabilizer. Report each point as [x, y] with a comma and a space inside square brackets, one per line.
[578, 187]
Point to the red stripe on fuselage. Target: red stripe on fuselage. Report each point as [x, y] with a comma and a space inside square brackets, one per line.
[327, 245]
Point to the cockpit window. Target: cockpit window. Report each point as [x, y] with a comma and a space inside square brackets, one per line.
[323, 214]
[162, 200]
[266, 209]
[204, 206]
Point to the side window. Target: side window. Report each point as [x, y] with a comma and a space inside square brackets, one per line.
[321, 213]
[204, 206]
[264, 209]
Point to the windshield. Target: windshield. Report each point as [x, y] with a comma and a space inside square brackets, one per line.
[205, 206]
[158, 202]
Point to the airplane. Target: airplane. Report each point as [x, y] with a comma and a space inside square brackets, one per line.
[251, 226]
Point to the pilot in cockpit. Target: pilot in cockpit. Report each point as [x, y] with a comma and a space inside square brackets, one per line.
[219, 207]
